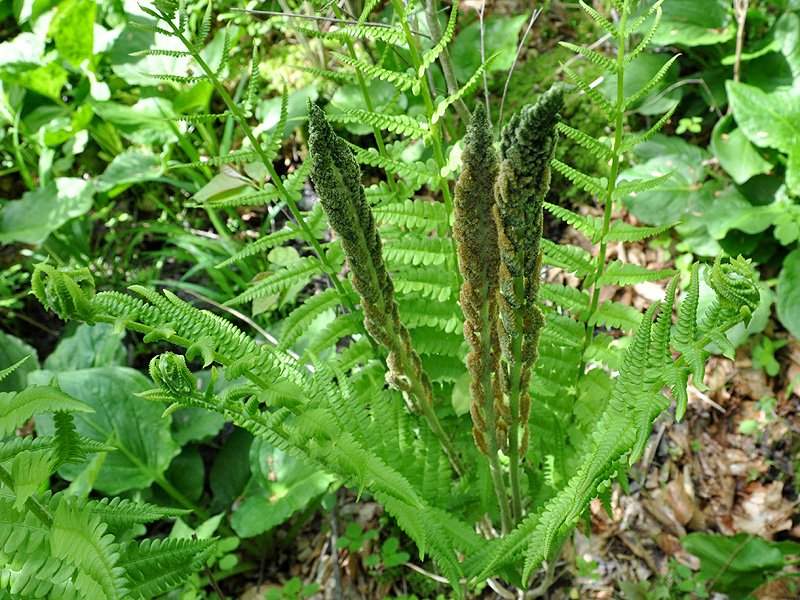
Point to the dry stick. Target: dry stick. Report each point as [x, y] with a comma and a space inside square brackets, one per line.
[740, 10]
[534, 15]
[211, 580]
[432, 17]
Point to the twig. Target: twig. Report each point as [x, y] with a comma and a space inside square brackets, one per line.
[338, 592]
[534, 15]
[271, 13]
[706, 399]
[740, 12]
[211, 580]
[449, 72]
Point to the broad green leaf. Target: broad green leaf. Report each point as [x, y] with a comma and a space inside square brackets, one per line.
[132, 166]
[72, 29]
[46, 80]
[768, 120]
[461, 398]
[286, 484]
[22, 53]
[43, 210]
[788, 291]
[230, 472]
[86, 348]
[187, 473]
[502, 34]
[144, 122]
[13, 350]
[131, 424]
[691, 23]
[736, 154]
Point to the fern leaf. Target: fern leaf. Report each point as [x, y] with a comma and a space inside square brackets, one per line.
[340, 77]
[369, 6]
[599, 99]
[442, 107]
[686, 330]
[644, 16]
[17, 408]
[593, 185]
[231, 158]
[600, 19]
[650, 84]
[251, 92]
[276, 138]
[417, 250]
[433, 341]
[617, 273]
[431, 282]
[418, 311]
[648, 37]
[381, 193]
[390, 35]
[615, 315]
[357, 353]
[417, 172]
[563, 330]
[624, 232]
[342, 326]
[597, 148]
[291, 232]
[400, 80]
[602, 61]
[280, 281]
[402, 124]
[572, 299]
[119, 513]
[641, 185]
[414, 214]
[155, 566]
[571, 258]
[634, 140]
[162, 52]
[300, 319]
[432, 54]
[591, 227]
[9, 370]
[200, 118]
[181, 79]
[204, 29]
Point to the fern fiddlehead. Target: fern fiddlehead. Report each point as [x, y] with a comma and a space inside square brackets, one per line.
[337, 178]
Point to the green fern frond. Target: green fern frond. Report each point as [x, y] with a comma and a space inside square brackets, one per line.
[597, 148]
[200, 118]
[616, 315]
[625, 232]
[400, 80]
[343, 326]
[340, 77]
[382, 193]
[155, 566]
[411, 249]
[300, 319]
[418, 172]
[431, 282]
[649, 36]
[599, 99]
[263, 244]
[643, 17]
[632, 140]
[162, 52]
[601, 61]
[9, 370]
[619, 273]
[442, 107]
[276, 138]
[433, 341]
[563, 330]
[390, 35]
[570, 298]
[300, 272]
[571, 258]
[432, 54]
[251, 94]
[204, 29]
[181, 79]
[593, 185]
[119, 513]
[16, 408]
[241, 156]
[650, 84]
[600, 19]
[402, 124]
[591, 227]
[150, 28]
[420, 312]
[414, 214]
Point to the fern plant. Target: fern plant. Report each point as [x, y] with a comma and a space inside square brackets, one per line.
[558, 406]
[65, 546]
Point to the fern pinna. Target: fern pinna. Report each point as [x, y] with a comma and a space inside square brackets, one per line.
[64, 546]
[558, 407]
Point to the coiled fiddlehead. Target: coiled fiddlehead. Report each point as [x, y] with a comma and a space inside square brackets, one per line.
[66, 291]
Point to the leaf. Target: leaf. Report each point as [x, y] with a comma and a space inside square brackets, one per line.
[768, 120]
[86, 348]
[736, 153]
[690, 23]
[130, 167]
[617, 273]
[145, 123]
[13, 350]
[501, 35]
[788, 293]
[43, 210]
[72, 29]
[121, 419]
[287, 486]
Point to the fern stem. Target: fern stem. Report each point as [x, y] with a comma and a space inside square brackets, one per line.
[612, 183]
[276, 180]
[433, 127]
[31, 502]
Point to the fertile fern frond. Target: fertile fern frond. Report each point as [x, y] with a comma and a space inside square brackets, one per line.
[300, 272]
